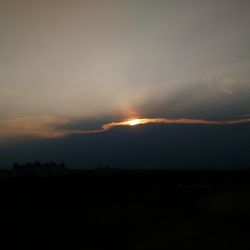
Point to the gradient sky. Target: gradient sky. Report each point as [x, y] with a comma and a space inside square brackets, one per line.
[70, 66]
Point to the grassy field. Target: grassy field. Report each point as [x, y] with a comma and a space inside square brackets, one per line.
[127, 210]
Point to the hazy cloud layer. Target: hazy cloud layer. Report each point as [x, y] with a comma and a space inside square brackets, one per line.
[93, 60]
[24, 127]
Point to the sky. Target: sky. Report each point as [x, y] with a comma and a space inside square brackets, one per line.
[75, 72]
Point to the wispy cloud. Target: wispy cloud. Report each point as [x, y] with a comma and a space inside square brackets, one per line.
[23, 126]
[52, 127]
[144, 121]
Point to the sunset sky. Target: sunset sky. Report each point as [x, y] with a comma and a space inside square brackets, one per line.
[70, 69]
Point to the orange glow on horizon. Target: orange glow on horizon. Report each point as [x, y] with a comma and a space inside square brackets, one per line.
[46, 126]
[143, 121]
[134, 122]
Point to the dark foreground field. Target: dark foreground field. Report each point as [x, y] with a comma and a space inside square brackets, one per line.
[137, 210]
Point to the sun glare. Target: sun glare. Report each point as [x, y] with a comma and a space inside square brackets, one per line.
[134, 122]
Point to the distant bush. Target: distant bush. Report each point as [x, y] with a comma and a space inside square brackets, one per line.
[39, 169]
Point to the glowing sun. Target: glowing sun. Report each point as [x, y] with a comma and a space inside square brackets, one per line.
[134, 122]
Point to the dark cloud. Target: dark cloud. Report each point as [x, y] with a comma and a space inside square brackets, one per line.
[147, 146]
[206, 101]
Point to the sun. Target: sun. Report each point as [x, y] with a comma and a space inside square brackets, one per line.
[134, 122]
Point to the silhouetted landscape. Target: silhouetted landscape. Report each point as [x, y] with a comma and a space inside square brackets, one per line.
[108, 208]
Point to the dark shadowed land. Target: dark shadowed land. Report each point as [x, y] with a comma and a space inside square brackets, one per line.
[126, 209]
